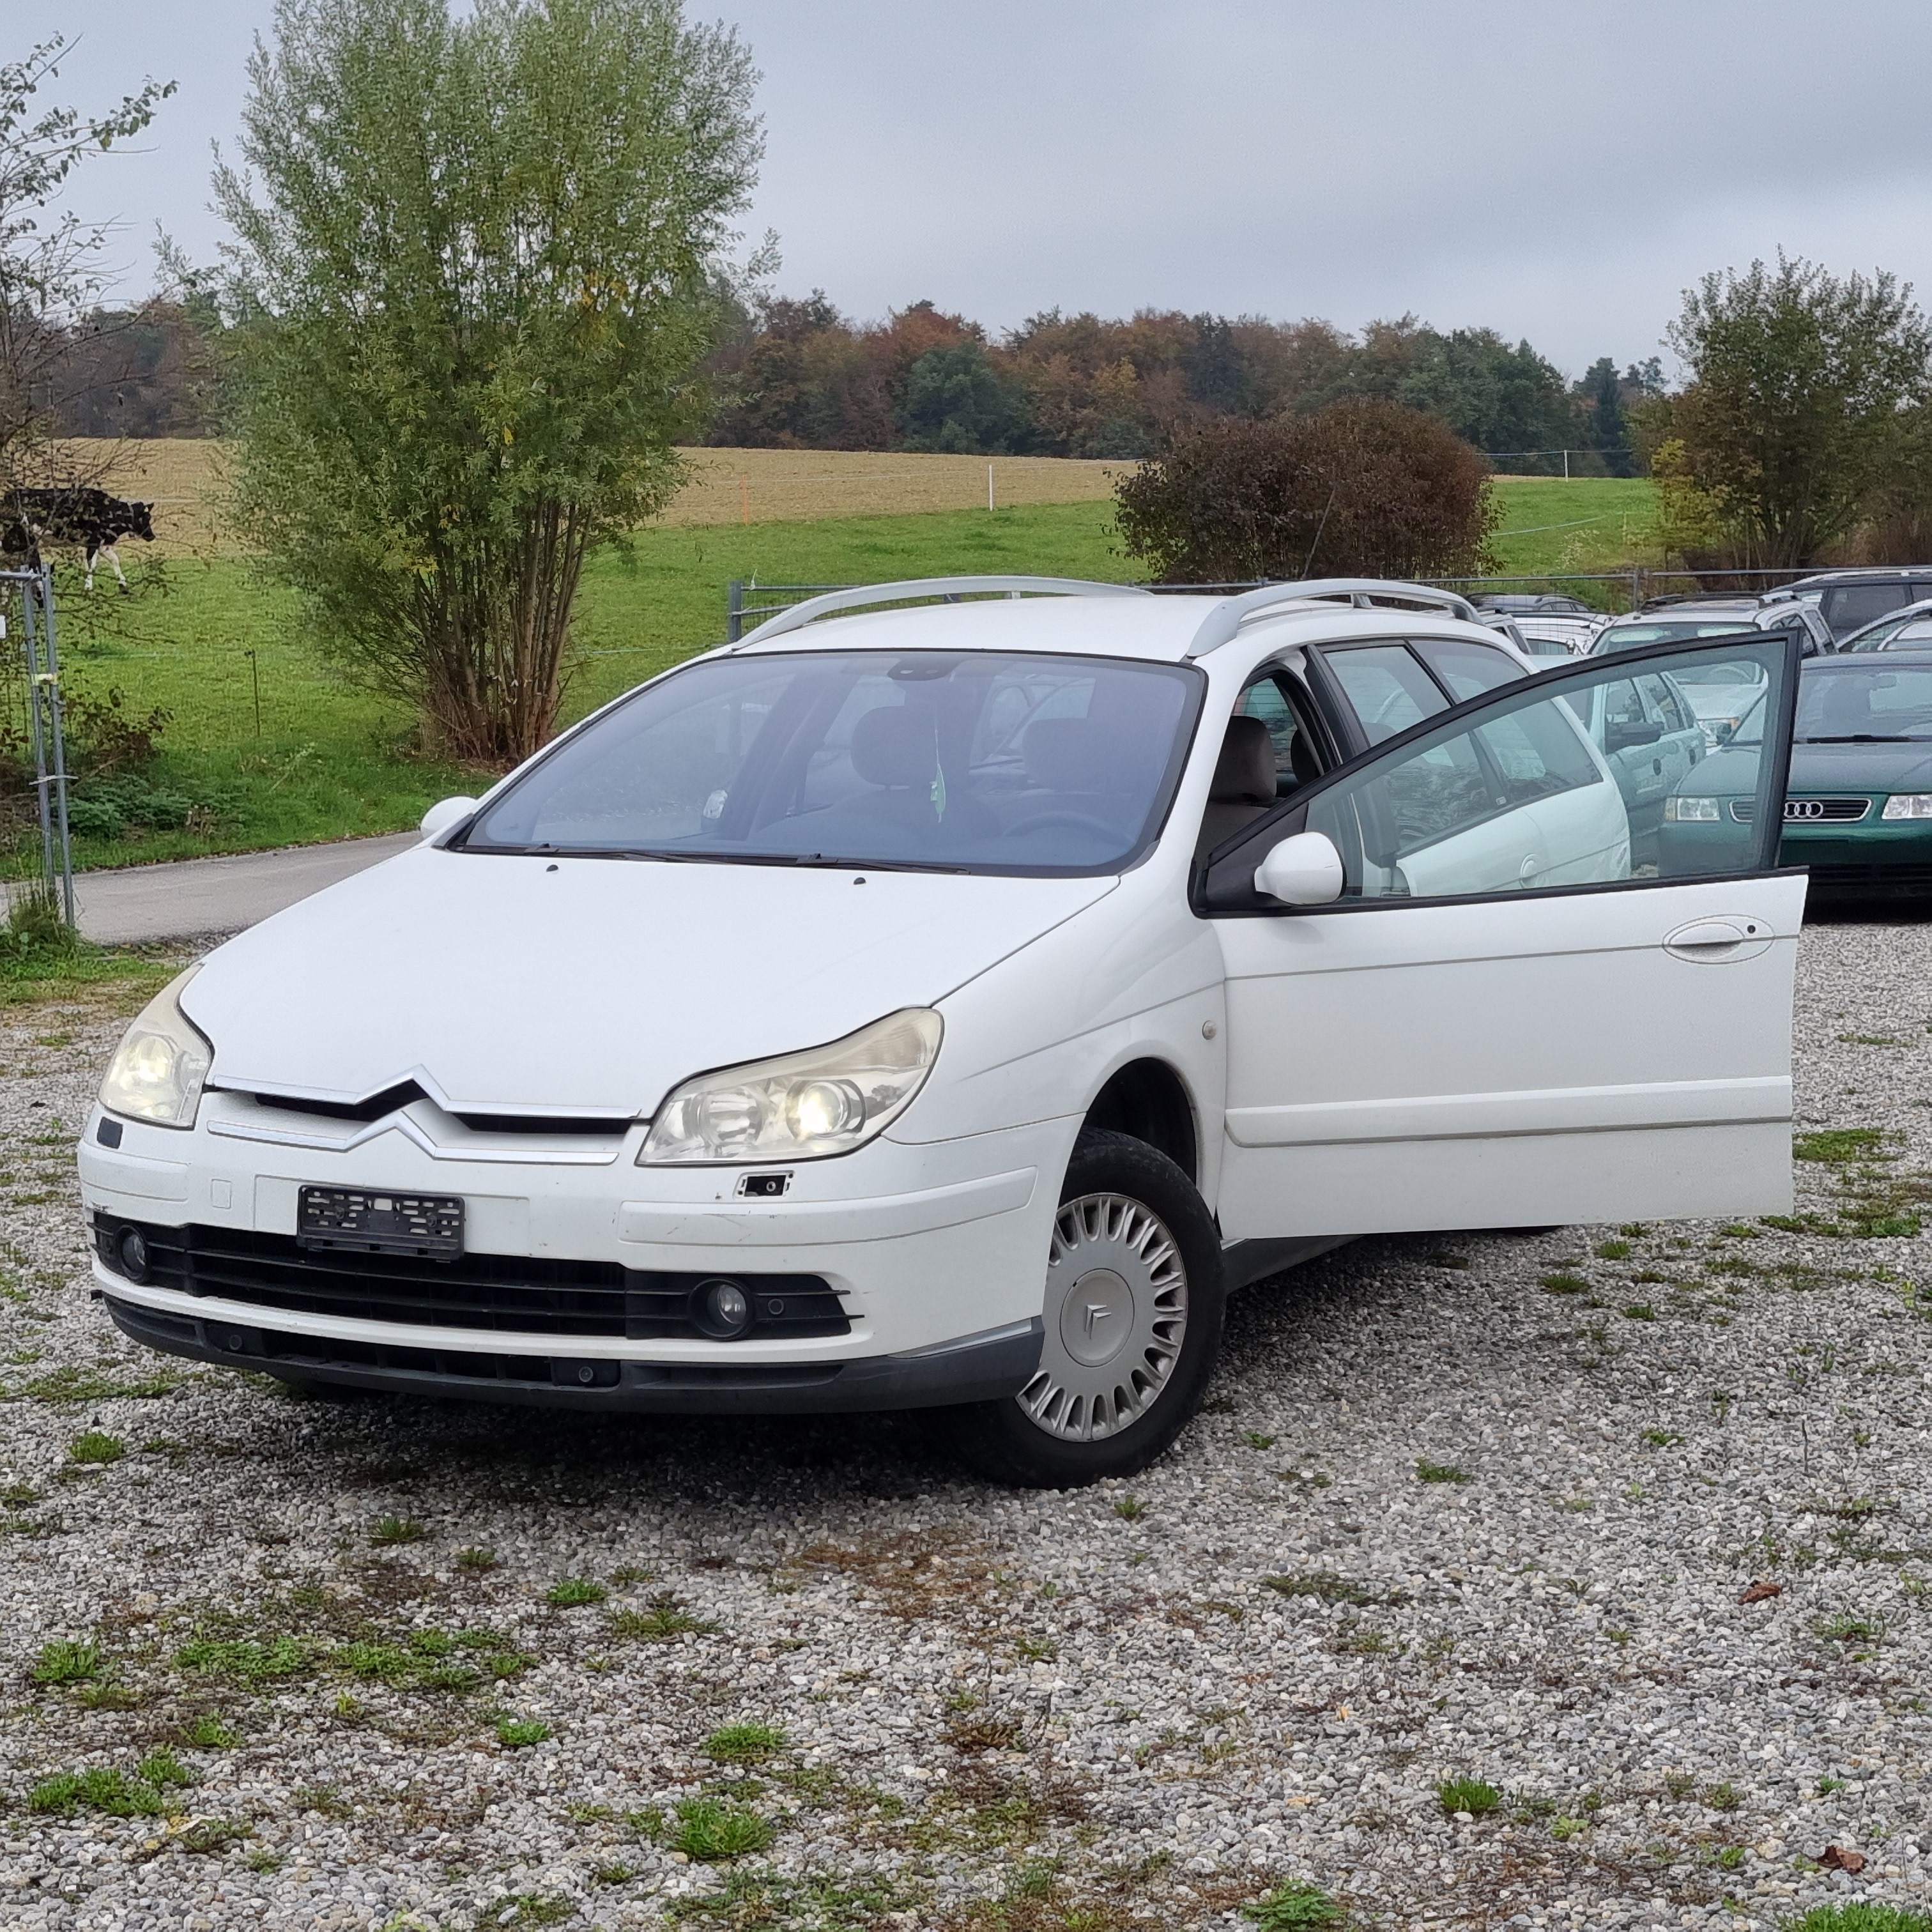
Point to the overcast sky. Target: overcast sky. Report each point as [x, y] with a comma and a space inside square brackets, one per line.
[1553, 170]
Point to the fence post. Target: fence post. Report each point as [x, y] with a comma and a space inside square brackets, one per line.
[1636, 585]
[734, 610]
[55, 709]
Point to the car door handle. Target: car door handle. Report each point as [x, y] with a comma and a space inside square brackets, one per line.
[1710, 942]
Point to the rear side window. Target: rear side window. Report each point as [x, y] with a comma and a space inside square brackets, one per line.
[1388, 690]
[1850, 605]
[1469, 670]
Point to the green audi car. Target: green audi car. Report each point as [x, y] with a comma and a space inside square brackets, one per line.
[1859, 812]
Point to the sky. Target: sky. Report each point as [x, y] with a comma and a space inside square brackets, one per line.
[1555, 171]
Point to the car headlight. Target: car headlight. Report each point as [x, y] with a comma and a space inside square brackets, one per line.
[1908, 805]
[805, 1106]
[1691, 811]
[157, 1071]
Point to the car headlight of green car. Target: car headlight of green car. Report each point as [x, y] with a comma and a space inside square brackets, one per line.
[1691, 811]
[1908, 805]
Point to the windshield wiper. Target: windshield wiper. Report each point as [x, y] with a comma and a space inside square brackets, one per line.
[1870, 738]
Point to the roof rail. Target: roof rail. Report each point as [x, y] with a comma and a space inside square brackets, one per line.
[950, 588]
[1222, 623]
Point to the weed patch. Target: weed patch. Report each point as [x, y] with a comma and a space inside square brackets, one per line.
[1467, 1794]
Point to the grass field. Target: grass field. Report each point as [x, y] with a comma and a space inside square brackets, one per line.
[203, 635]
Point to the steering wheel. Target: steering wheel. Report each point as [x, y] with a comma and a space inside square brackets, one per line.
[1080, 821]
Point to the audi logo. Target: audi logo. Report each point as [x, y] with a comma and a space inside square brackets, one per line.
[1804, 807]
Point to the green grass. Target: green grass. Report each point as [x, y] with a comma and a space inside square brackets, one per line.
[1861, 1918]
[1296, 1908]
[330, 761]
[1467, 1794]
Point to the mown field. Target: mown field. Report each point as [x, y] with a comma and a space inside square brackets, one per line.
[264, 745]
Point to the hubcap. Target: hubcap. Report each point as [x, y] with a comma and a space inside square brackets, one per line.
[1116, 1315]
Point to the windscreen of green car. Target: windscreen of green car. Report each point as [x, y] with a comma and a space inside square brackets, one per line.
[1854, 702]
[960, 761]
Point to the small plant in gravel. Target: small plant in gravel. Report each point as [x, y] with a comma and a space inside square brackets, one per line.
[1131, 1509]
[1565, 1828]
[1844, 1628]
[531, 1908]
[1467, 1794]
[1724, 1797]
[247, 1661]
[1862, 1917]
[519, 1733]
[66, 1660]
[215, 1835]
[1426, 1471]
[394, 1529]
[1679, 1783]
[665, 1619]
[711, 1830]
[572, 1592]
[1826, 1786]
[1660, 1438]
[1563, 1282]
[1326, 1585]
[96, 1446]
[161, 1767]
[476, 1560]
[109, 1791]
[1639, 1311]
[743, 1744]
[1255, 1439]
[210, 1732]
[627, 1574]
[613, 1874]
[1617, 1250]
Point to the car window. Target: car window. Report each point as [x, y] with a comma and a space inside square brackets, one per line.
[1296, 758]
[1515, 798]
[1468, 670]
[1673, 711]
[1917, 631]
[1386, 687]
[1846, 606]
[1865, 699]
[974, 761]
[1628, 637]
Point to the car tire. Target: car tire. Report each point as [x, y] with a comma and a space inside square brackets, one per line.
[1124, 1370]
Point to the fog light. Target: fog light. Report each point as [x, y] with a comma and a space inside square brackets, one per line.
[134, 1255]
[723, 1309]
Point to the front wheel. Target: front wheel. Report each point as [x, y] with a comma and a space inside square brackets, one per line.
[1132, 1317]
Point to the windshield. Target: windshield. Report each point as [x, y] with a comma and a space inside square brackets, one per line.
[1627, 637]
[1845, 704]
[953, 762]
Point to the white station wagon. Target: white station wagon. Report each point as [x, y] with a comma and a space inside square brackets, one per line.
[946, 1004]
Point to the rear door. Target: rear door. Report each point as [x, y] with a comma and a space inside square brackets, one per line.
[1446, 1045]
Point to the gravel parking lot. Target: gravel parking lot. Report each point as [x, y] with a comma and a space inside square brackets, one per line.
[1463, 1507]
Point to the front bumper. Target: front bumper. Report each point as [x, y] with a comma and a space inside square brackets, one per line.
[974, 1368]
[935, 1252]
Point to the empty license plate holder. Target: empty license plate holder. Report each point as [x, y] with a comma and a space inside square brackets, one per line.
[365, 1220]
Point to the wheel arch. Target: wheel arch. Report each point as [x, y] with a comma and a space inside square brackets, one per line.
[1147, 1100]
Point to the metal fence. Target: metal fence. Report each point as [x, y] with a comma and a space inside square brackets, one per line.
[748, 603]
[31, 594]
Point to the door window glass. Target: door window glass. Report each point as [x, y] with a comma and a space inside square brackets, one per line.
[1673, 712]
[1849, 605]
[1295, 759]
[1469, 670]
[1516, 796]
[1386, 687]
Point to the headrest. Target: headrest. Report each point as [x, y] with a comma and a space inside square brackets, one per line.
[1066, 755]
[894, 746]
[1244, 772]
[1847, 705]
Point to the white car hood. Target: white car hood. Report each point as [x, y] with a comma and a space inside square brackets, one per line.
[593, 985]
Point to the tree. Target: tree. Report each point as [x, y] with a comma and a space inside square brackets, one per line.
[475, 264]
[51, 269]
[956, 400]
[1364, 488]
[1791, 422]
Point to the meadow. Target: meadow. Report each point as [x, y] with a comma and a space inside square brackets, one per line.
[264, 745]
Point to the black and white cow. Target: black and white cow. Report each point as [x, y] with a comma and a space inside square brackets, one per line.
[88, 518]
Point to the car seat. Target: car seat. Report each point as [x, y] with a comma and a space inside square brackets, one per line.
[1244, 781]
[895, 748]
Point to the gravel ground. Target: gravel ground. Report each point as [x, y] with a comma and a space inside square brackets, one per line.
[1463, 1506]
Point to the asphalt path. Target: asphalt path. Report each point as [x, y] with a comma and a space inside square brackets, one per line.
[195, 896]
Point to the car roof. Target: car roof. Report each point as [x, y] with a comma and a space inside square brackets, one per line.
[1161, 629]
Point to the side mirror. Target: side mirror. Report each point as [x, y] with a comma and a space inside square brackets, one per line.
[1304, 870]
[445, 813]
[1622, 737]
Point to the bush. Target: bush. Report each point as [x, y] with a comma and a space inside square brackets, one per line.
[1362, 488]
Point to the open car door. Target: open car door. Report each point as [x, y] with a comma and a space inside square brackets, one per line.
[1490, 1014]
